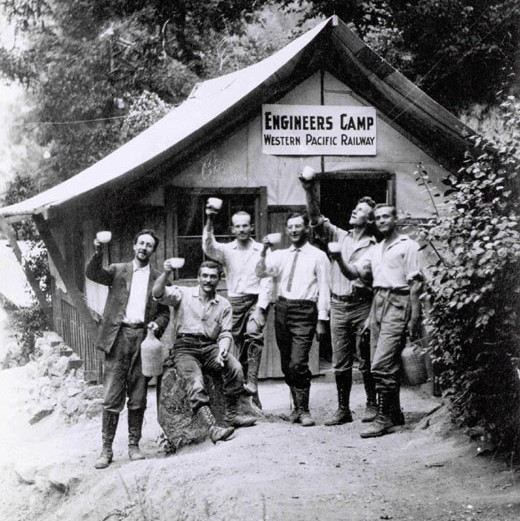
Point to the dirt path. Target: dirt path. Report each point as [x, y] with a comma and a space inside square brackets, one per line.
[274, 471]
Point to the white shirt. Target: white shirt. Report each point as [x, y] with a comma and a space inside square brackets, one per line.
[393, 265]
[239, 264]
[138, 296]
[193, 316]
[311, 279]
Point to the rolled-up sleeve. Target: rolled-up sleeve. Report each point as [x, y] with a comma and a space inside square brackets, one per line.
[323, 277]
[273, 263]
[212, 248]
[172, 296]
[413, 268]
[226, 323]
[364, 265]
[325, 231]
[266, 292]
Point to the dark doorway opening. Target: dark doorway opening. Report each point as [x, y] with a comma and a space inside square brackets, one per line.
[338, 197]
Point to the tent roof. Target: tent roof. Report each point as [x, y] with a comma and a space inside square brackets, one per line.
[217, 105]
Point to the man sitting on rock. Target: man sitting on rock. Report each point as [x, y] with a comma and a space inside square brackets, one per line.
[203, 338]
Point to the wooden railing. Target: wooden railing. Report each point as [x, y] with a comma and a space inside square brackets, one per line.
[73, 332]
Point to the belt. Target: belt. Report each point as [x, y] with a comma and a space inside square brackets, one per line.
[396, 291]
[243, 298]
[295, 301]
[138, 325]
[352, 298]
[190, 336]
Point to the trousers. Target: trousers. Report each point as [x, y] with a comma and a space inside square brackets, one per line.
[295, 326]
[194, 357]
[388, 320]
[123, 374]
[248, 334]
[346, 325]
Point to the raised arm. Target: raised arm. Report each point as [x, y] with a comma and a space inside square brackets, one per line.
[313, 205]
[95, 271]
[159, 287]
[349, 271]
[210, 246]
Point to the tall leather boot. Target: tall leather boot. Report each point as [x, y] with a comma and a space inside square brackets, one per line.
[370, 390]
[109, 422]
[135, 427]
[253, 363]
[296, 412]
[302, 397]
[256, 400]
[216, 433]
[383, 423]
[396, 413]
[233, 418]
[343, 386]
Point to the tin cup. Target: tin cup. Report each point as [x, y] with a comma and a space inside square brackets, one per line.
[334, 247]
[308, 173]
[104, 236]
[214, 203]
[274, 238]
[176, 262]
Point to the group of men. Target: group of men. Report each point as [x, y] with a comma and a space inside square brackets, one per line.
[369, 289]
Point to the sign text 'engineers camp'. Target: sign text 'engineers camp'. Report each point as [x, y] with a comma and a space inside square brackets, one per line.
[318, 130]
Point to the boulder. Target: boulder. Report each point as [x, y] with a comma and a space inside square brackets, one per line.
[175, 415]
[92, 392]
[94, 408]
[43, 411]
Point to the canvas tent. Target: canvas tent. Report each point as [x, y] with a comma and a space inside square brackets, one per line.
[215, 144]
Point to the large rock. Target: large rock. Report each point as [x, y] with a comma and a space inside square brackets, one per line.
[175, 416]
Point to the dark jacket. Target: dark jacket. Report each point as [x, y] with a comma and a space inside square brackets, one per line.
[119, 278]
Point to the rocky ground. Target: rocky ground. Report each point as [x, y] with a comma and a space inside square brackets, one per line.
[273, 471]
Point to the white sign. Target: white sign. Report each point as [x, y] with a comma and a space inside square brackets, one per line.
[314, 130]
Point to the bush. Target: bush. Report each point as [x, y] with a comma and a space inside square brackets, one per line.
[474, 289]
[28, 323]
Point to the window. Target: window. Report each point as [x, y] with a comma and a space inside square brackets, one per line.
[188, 218]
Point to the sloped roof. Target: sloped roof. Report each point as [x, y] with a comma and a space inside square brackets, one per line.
[217, 105]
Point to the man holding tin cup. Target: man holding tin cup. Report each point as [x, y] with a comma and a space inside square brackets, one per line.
[129, 309]
[248, 294]
[302, 307]
[350, 299]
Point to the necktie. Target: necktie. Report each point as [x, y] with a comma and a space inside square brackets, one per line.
[293, 269]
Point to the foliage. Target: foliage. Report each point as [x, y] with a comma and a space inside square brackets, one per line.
[474, 290]
[455, 50]
[28, 324]
[144, 110]
[87, 68]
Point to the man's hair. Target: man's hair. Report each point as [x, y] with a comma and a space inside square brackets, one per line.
[147, 231]
[294, 215]
[241, 213]
[386, 205]
[368, 200]
[212, 265]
